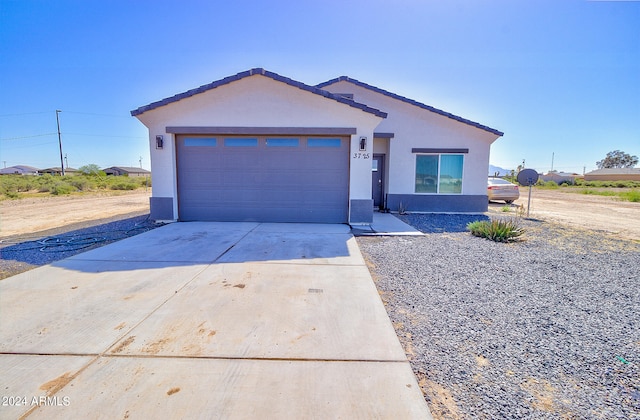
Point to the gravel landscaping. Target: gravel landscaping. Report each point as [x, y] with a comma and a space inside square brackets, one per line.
[546, 327]
[24, 252]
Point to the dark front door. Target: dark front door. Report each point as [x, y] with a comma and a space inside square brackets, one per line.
[377, 181]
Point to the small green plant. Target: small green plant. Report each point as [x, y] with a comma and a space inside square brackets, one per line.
[521, 211]
[505, 209]
[497, 230]
[547, 184]
[633, 196]
[401, 208]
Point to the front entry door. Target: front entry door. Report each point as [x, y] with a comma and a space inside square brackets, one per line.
[377, 181]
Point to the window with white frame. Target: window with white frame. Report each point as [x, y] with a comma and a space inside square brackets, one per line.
[439, 173]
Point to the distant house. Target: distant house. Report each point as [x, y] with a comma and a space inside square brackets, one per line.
[20, 170]
[613, 174]
[560, 177]
[126, 170]
[57, 171]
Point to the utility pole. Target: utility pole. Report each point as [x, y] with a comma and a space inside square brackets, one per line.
[66, 162]
[552, 155]
[140, 161]
[60, 142]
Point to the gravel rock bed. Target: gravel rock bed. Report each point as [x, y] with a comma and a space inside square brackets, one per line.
[547, 327]
[438, 223]
[22, 253]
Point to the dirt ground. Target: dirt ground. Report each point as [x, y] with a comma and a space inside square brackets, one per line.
[31, 215]
[609, 215]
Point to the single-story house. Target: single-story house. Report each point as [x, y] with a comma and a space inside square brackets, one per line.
[262, 147]
[613, 174]
[19, 170]
[126, 170]
[560, 177]
[57, 171]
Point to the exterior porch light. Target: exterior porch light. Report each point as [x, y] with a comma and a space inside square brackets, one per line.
[363, 144]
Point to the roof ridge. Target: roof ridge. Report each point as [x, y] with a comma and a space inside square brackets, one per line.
[258, 71]
[409, 101]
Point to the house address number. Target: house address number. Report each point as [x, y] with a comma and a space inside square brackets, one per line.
[361, 155]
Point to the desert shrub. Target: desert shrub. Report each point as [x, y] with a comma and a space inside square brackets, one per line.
[11, 194]
[80, 183]
[123, 185]
[551, 184]
[26, 183]
[608, 184]
[61, 188]
[144, 181]
[633, 196]
[17, 183]
[589, 191]
[8, 184]
[46, 183]
[497, 230]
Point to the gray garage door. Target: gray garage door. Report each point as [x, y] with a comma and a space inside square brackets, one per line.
[265, 179]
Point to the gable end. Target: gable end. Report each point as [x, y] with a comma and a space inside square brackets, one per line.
[409, 101]
[266, 73]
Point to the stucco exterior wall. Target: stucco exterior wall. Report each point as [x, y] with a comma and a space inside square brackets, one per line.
[256, 101]
[414, 127]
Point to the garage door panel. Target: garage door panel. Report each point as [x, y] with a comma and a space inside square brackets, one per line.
[263, 183]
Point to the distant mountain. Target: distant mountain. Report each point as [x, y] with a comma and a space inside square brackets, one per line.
[501, 171]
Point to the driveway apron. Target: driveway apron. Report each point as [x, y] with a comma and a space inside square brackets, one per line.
[205, 320]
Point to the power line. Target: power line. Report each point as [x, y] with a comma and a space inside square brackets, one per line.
[28, 137]
[71, 134]
[25, 146]
[68, 112]
[103, 135]
[99, 115]
[25, 113]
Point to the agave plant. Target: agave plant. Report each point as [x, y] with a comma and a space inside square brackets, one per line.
[498, 230]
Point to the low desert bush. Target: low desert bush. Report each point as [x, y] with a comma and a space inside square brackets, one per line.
[497, 230]
[62, 188]
[123, 185]
[81, 183]
[633, 196]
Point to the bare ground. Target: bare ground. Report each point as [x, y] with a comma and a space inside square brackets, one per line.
[31, 215]
[610, 215]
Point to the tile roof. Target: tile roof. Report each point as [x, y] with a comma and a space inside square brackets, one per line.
[131, 169]
[614, 171]
[20, 168]
[262, 72]
[409, 101]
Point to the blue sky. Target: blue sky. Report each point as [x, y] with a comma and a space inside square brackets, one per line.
[558, 77]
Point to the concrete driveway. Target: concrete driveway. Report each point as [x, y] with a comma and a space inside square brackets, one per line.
[205, 320]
